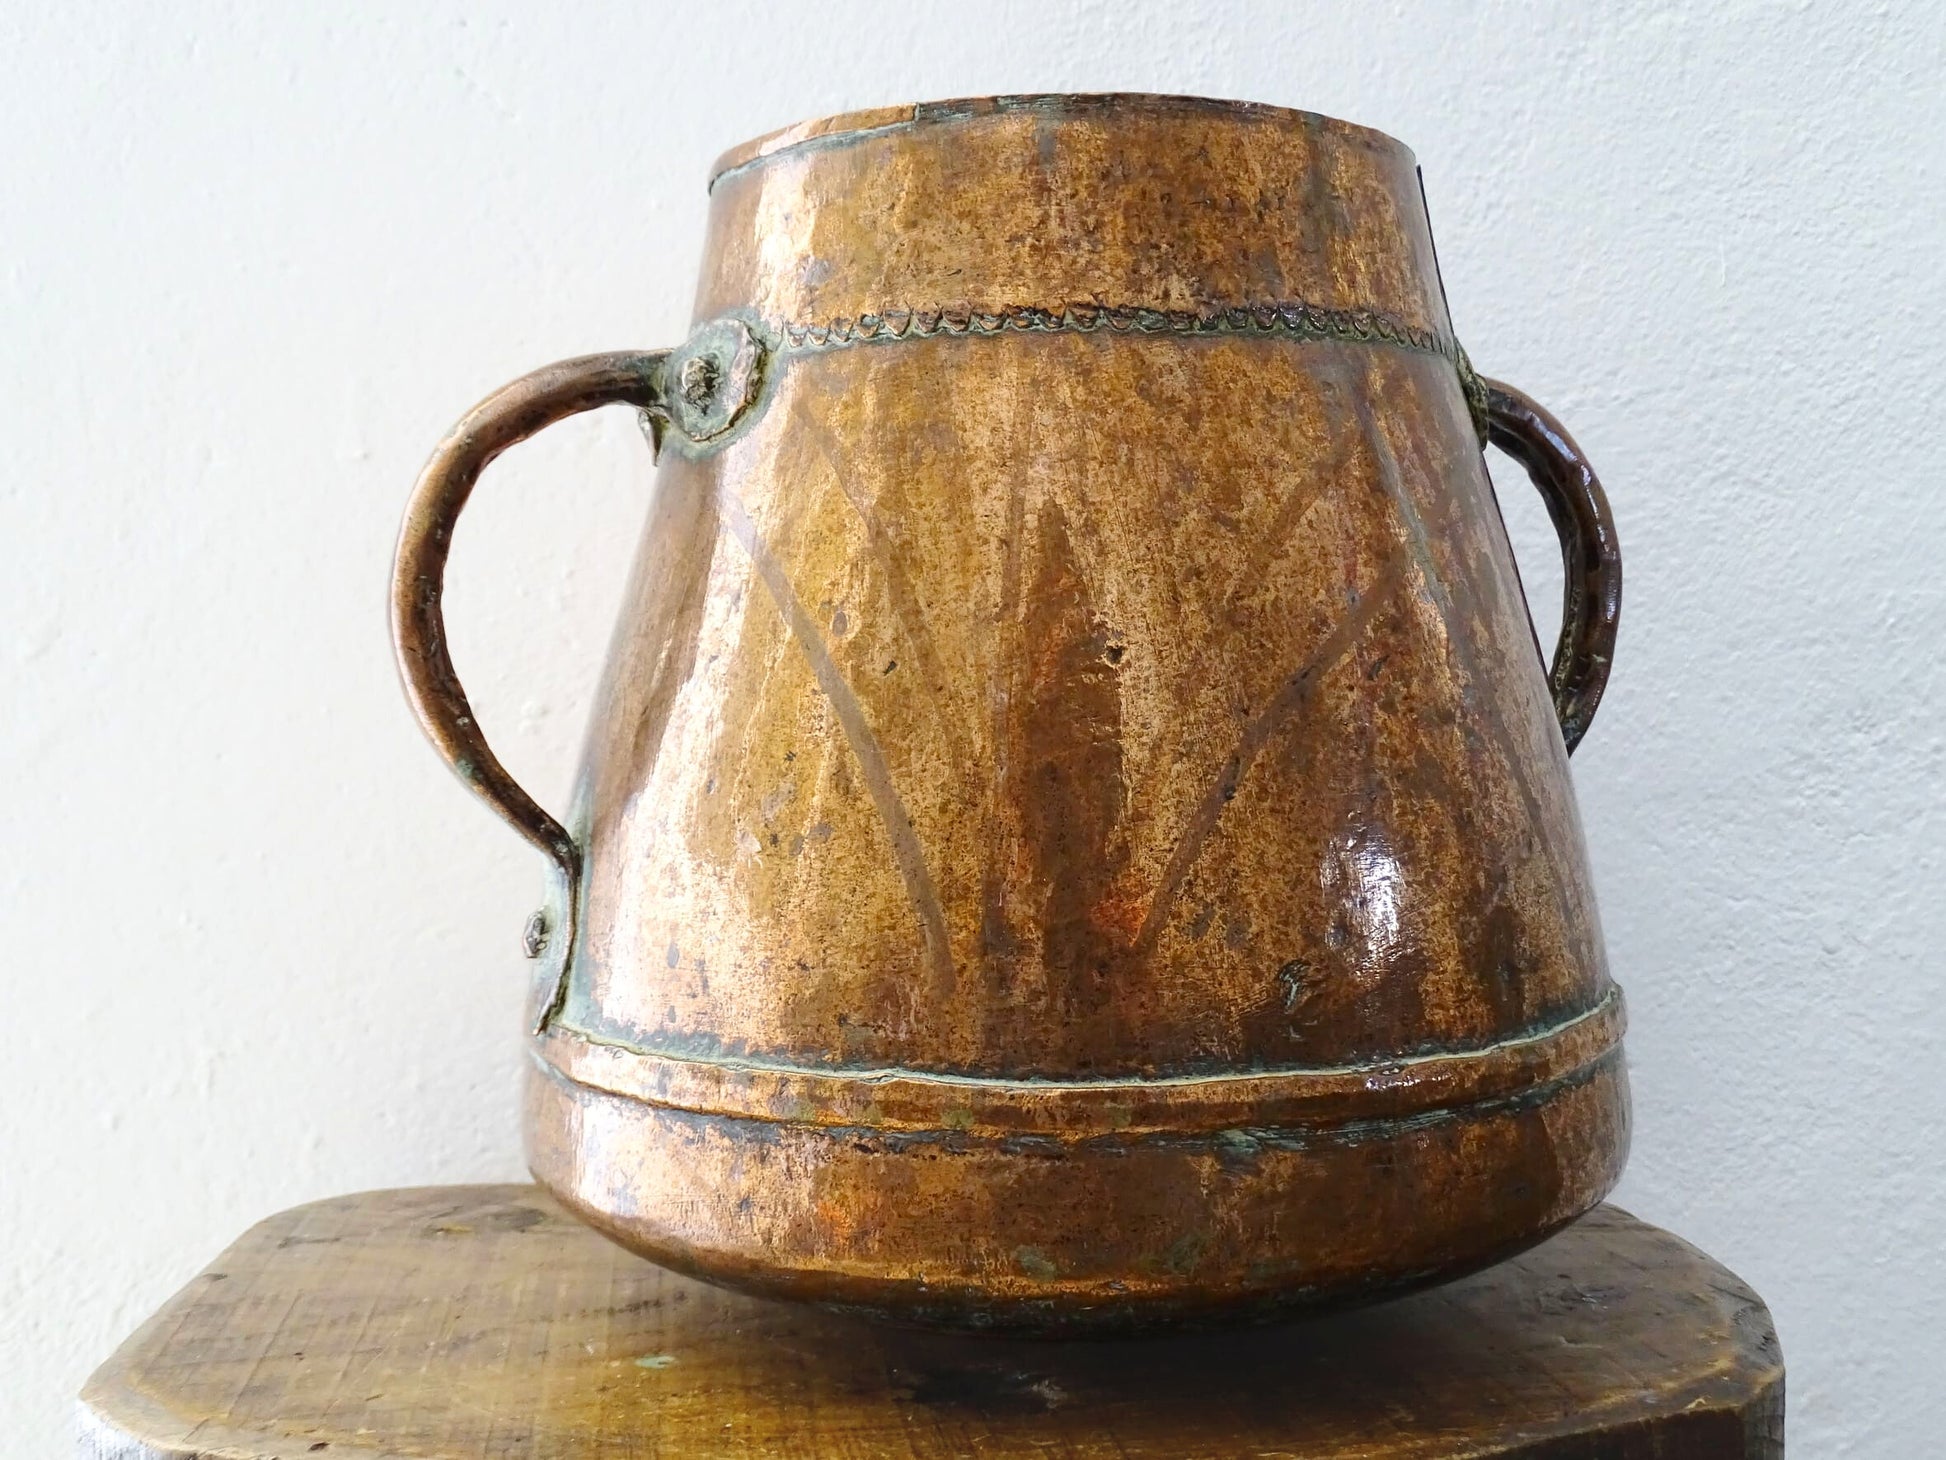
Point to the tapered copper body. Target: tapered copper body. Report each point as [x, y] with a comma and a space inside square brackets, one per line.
[1076, 829]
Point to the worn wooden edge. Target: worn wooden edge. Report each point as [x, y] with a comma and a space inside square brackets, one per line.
[1739, 1404]
[114, 1420]
[99, 1438]
[1705, 1428]
[1735, 1409]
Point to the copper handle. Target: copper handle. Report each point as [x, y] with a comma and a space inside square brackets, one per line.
[508, 416]
[1591, 558]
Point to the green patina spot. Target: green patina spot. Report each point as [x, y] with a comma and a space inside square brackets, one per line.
[959, 1117]
[1185, 1252]
[1035, 1263]
[655, 1361]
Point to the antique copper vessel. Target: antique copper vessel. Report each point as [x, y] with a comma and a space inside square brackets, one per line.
[1076, 829]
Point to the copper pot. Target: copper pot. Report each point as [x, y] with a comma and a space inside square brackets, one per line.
[1076, 828]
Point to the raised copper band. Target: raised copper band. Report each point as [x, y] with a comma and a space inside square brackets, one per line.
[911, 1100]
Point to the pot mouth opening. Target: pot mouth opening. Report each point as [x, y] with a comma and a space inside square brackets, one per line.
[842, 128]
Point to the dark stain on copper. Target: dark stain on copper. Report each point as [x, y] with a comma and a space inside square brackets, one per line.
[1067, 743]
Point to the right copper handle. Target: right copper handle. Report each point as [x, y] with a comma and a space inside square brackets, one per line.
[1591, 558]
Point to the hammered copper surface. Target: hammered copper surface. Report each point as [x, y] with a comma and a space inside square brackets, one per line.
[1075, 828]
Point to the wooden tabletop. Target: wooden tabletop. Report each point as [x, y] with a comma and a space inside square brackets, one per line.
[482, 1323]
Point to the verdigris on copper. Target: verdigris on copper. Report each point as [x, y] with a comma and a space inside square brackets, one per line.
[1075, 829]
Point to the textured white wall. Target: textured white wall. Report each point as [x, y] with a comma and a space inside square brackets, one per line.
[261, 947]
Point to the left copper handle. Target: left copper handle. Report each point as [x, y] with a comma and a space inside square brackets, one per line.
[508, 416]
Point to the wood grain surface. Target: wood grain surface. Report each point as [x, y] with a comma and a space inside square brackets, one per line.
[482, 1323]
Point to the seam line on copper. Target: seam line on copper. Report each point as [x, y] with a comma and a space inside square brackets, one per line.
[1234, 1135]
[1610, 1003]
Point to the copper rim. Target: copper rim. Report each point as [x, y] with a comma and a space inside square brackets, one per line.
[843, 127]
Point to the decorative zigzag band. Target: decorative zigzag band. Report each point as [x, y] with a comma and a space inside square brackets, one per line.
[1291, 319]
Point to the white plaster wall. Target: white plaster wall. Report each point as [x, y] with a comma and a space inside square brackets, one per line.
[261, 948]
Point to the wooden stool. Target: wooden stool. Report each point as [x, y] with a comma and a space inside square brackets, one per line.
[482, 1323]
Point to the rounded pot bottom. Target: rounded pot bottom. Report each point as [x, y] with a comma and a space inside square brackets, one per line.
[1150, 1226]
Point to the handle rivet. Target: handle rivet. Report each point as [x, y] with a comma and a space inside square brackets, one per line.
[533, 937]
[700, 377]
[712, 380]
